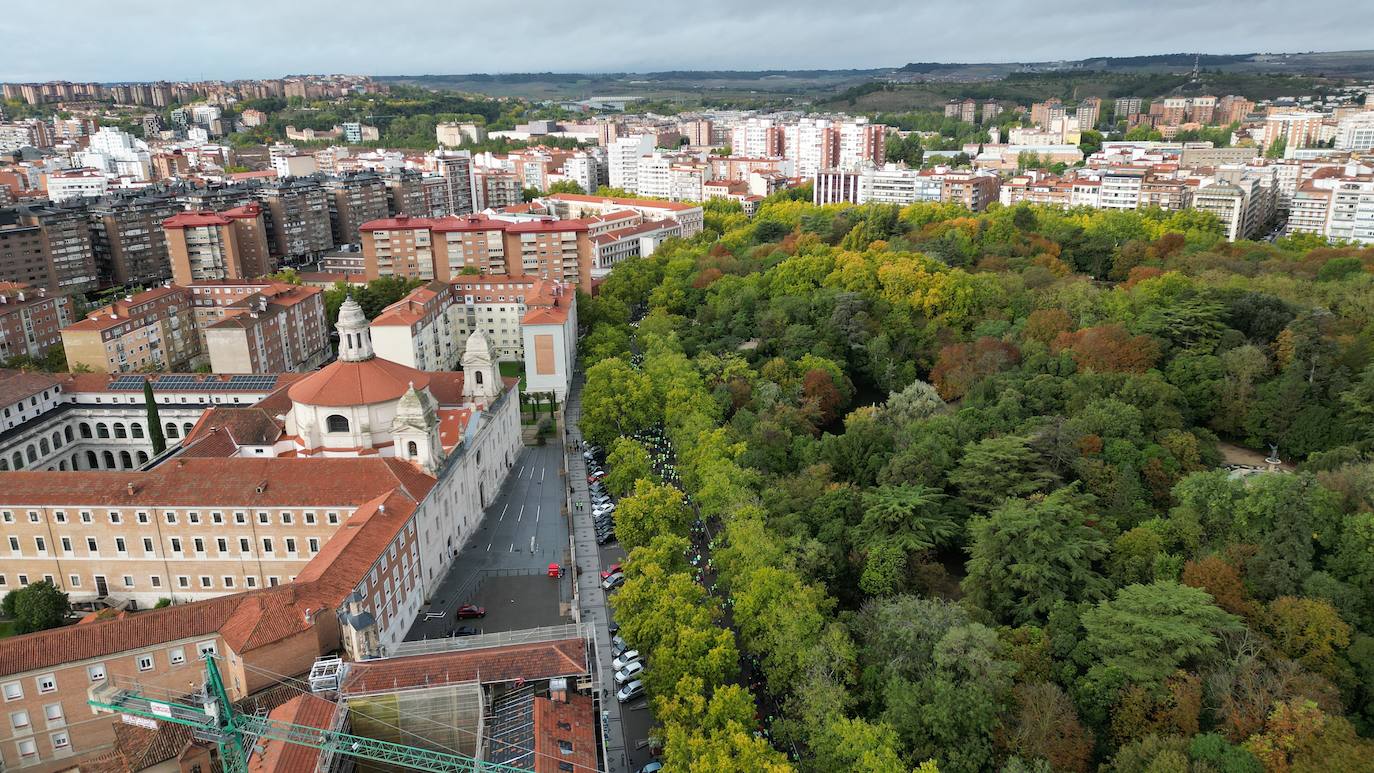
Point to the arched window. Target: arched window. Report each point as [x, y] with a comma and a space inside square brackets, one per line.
[125, 461]
[119, 430]
[62, 465]
[85, 429]
[4, 464]
[57, 440]
[142, 458]
[171, 429]
[186, 428]
[32, 454]
[92, 461]
[67, 430]
[135, 429]
[109, 460]
[18, 460]
[412, 449]
[478, 374]
[101, 430]
[336, 423]
[44, 447]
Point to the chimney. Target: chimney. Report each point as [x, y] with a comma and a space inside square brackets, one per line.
[132, 488]
[382, 508]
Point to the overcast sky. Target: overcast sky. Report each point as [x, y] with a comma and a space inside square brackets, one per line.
[103, 40]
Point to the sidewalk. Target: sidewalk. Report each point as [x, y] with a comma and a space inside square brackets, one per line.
[593, 600]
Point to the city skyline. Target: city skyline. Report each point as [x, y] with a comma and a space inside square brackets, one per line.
[266, 41]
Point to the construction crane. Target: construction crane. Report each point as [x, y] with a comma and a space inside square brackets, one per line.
[212, 718]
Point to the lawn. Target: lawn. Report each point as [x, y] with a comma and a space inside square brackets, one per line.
[6, 628]
[513, 370]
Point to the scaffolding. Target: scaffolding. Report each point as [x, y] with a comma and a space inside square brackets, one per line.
[447, 717]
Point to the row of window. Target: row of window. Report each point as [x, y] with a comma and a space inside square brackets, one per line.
[264, 517]
[245, 545]
[228, 582]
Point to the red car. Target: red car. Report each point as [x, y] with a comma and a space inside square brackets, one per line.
[470, 610]
[596, 476]
[612, 569]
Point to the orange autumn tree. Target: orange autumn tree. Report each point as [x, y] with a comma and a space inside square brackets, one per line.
[1108, 348]
[960, 365]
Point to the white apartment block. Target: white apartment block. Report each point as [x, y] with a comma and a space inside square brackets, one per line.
[1356, 132]
[622, 160]
[1351, 215]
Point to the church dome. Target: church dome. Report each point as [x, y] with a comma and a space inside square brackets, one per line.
[358, 377]
[366, 382]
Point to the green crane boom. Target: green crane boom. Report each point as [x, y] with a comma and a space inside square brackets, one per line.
[235, 733]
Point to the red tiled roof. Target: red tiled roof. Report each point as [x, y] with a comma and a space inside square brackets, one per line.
[543, 660]
[282, 757]
[194, 219]
[548, 226]
[357, 383]
[16, 385]
[574, 723]
[628, 202]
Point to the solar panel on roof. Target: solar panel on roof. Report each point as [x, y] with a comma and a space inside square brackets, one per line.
[127, 382]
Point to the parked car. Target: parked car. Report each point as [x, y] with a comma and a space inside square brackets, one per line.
[465, 630]
[470, 610]
[630, 691]
[629, 673]
[626, 658]
[614, 628]
[653, 767]
[596, 476]
[618, 645]
[602, 539]
[610, 570]
[604, 522]
[614, 581]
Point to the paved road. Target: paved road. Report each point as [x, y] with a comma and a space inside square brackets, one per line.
[628, 724]
[498, 568]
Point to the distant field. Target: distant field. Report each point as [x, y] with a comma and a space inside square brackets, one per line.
[927, 85]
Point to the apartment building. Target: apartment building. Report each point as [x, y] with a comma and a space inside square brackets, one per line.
[495, 189]
[353, 200]
[1299, 129]
[218, 245]
[1045, 113]
[297, 212]
[455, 168]
[622, 160]
[1089, 112]
[757, 137]
[405, 194]
[1351, 214]
[250, 326]
[127, 237]
[1308, 210]
[641, 239]
[974, 190]
[154, 329]
[31, 320]
[1356, 132]
[1243, 204]
[44, 245]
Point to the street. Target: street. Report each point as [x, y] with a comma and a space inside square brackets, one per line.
[503, 567]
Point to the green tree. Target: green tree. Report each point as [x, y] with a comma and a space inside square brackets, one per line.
[997, 469]
[566, 186]
[629, 463]
[154, 421]
[1146, 632]
[1030, 554]
[37, 607]
[918, 400]
[616, 400]
[652, 509]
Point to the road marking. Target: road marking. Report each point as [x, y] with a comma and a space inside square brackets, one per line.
[542, 470]
[503, 512]
[521, 514]
[522, 471]
[537, 508]
[488, 547]
[512, 548]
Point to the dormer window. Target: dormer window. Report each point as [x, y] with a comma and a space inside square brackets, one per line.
[336, 423]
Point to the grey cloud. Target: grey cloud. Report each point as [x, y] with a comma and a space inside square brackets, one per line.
[137, 40]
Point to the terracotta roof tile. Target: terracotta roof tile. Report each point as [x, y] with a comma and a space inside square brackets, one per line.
[357, 383]
[543, 660]
[283, 757]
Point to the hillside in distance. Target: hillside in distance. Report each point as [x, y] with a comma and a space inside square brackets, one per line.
[925, 84]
